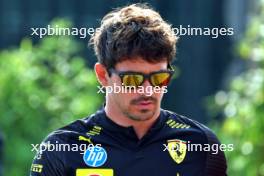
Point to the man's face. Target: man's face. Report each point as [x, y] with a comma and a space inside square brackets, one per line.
[136, 105]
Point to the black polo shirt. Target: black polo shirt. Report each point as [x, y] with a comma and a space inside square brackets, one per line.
[109, 149]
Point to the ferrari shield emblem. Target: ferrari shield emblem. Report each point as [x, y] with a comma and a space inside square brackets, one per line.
[177, 150]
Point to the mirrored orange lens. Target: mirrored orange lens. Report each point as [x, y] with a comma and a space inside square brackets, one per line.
[160, 79]
[133, 80]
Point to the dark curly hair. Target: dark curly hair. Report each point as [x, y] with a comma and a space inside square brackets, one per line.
[133, 31]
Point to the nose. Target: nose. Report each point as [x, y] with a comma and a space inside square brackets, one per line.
[146, 83]
[147, 88]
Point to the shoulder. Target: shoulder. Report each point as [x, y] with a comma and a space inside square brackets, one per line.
[176, 121]
[50, 152]
[76, 128]
[215, 158]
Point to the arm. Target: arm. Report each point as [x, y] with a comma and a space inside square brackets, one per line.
[48, 162]
[216, 162]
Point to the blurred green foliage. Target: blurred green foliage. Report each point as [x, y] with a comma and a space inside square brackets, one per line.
[42, 87]
[243, 105]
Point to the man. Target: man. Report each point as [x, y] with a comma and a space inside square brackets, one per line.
[131, 135]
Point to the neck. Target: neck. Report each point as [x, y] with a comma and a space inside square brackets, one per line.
[140, 127]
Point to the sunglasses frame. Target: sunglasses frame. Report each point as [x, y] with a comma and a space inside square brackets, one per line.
[121, 74]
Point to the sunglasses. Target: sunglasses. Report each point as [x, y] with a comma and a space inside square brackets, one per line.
[159, 78]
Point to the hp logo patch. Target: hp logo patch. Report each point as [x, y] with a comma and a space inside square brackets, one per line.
[95, 156]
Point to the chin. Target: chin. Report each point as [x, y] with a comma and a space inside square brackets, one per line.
[142, 115]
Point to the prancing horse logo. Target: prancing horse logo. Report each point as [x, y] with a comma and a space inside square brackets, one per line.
[177, 150]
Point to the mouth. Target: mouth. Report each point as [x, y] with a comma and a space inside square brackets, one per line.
[145, 103]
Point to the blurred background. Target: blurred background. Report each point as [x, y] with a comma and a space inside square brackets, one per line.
[49, 82]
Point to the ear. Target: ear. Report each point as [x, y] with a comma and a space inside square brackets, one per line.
[101, 74]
